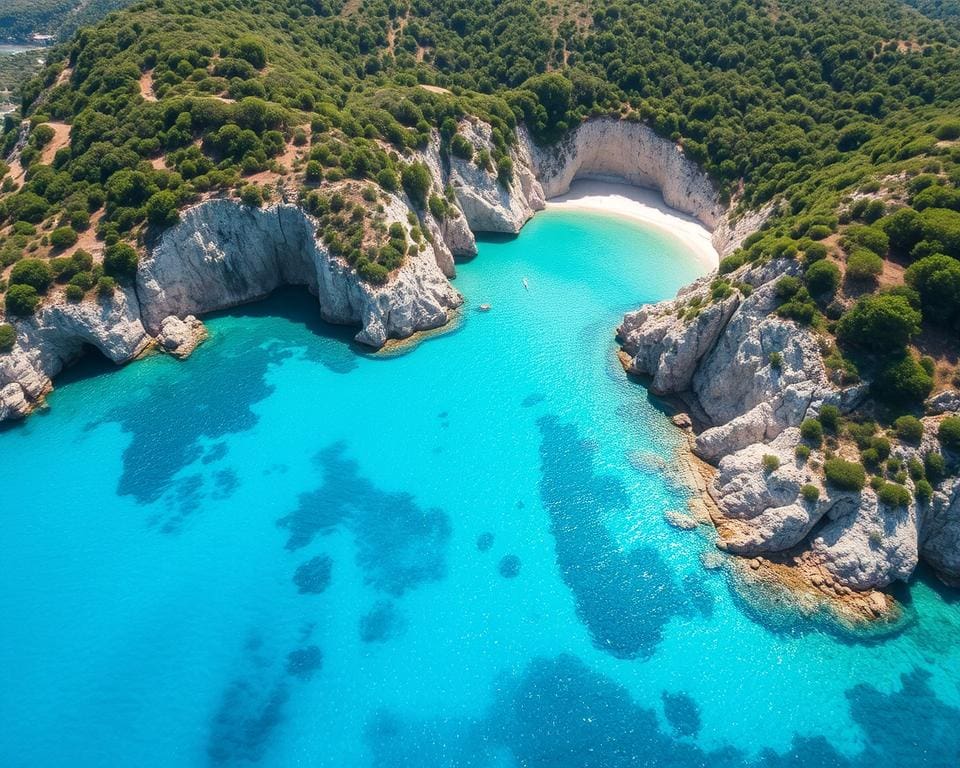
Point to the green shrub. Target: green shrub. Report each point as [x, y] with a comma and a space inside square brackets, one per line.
[33, 272]
[949, 433]
[8, 337]
[862, 433]
[251, 195]
[845, 475]
[21, 300]
[771, 463]
[902, 382]
[787, 287]
[84, 280]
[814, 252]
[915, 466]
[438, 207]
[74, 293]
[812, 431]
[106, 286]
[937, 280]
[63, 237]
[942, 226]
[909, 429]
[810, 493]
[829, 417]
[879, 323]
[776, 360]
[819, 232]
[923, 490]
[388, 180]
[903, 229]
[948, 131]
[864, 265]
[416, 181]
[935, 467]
[802, 452]
[120, 261]
[822, 278]
[870, 237]
[732, 262]
[461, 147]
[893, 495]
[373, 272]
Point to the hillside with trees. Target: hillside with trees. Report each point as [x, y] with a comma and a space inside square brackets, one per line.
[842, 116]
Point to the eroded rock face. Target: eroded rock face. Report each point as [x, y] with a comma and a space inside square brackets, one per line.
[56, 336]
[940, 532]
[222, 254]
[609, 149]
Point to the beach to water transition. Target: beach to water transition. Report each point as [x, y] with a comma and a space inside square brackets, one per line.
[286, 552]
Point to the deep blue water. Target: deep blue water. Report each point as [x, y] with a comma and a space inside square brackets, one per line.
[285, 552]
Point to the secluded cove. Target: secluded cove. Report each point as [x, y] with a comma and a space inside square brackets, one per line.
[284, 551]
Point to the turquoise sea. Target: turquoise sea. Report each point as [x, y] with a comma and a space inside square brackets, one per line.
[287, 552]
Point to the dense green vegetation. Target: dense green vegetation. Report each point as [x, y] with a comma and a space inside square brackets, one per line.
[60, 18]
[841, 116]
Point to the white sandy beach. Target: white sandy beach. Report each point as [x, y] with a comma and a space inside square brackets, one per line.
[640, 205]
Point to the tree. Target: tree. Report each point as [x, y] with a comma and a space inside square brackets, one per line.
[162, 209]
[33, 272]
[120, 261]
[879, 323]
[937, 279]
[21, 300]
[416, 181]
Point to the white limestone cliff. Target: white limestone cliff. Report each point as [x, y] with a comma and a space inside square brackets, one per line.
[751, 378]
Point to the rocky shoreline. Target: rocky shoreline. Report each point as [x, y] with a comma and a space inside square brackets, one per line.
[715, 352]
[748, 379]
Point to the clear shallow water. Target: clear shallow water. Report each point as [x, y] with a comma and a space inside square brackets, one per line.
[283, 552]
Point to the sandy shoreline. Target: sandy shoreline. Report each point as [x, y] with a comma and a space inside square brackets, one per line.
[642, 205]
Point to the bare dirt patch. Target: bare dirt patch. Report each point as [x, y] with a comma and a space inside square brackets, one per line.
[61, 139]
[146, 86]
[434, 88]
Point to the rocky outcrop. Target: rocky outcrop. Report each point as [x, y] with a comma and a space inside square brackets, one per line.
[751, 378]
[723, 351]
[219, 255]
[57, 335]
[222, 254]
[180, 337]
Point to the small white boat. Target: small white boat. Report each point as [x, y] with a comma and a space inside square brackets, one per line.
[484, 307]
[526, 285]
